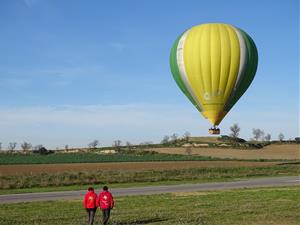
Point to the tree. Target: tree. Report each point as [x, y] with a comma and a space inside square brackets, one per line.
[67, 147]
[187, 136]
[37, 147]
[128, 145]
[235, 129]
[268, 137]
[174, 137]
[117, 144]
[26, 146]
[281, 137]
[40, 149]
[93, 144]
[258, 134]
[0, 146]
[165, 140]
[12, 146]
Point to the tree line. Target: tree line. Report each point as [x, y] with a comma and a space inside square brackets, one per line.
[258, 135]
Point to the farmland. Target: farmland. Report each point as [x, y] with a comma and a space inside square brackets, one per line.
[260, 206]
[21, 171]
[6, 159]
[171, 173]
[125, 166]
[273, 151]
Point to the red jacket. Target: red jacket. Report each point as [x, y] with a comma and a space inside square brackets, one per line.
[106, 200]
[90, 200]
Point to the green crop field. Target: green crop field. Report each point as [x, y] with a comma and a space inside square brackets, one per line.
[260, 206]
[6, 159]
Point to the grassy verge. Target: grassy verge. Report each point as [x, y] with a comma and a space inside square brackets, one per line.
[261, 206]
[80, 180]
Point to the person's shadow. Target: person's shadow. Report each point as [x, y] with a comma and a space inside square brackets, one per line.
[138, 222]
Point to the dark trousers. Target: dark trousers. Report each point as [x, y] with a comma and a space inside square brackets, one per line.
[105, 216]
[90, 215]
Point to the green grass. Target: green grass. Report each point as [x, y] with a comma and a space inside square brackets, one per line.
[260, 206]
[191, 175]
[12, 159]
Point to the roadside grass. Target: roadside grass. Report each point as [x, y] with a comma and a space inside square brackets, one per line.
[83, 179]
[259, 206]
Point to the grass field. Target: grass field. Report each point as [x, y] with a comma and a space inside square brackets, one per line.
[173, 174]
[127, 166]
[262, 206]
[273, 151]
[13, 159]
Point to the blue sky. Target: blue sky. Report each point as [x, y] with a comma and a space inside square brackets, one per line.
[75, 71]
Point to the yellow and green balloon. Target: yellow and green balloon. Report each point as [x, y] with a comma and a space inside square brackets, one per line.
[213, 65]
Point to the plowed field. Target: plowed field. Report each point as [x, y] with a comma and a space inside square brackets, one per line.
[284, 151]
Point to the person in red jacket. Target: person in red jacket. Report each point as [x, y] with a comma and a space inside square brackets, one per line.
[90, 204]
[106, 203]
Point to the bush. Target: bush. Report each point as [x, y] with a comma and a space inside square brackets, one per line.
[231, 139]
[43, 151]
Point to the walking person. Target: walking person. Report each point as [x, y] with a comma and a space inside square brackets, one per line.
[106, 203]
[90, 204]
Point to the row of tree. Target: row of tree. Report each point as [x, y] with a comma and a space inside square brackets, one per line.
[175, 137]
[258, 134]
[25, 146]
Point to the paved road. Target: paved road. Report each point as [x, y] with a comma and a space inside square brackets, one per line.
[149, 190]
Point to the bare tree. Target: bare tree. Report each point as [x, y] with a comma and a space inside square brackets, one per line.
[67, 148]
[26, 146]
[281, 137]
[268, 137]
[93, 144]
[12, 146]
[165, 140]
[128, 145]
[258, 134]
[117, 144]
[0, 146]
[186, 136]
[235, 130]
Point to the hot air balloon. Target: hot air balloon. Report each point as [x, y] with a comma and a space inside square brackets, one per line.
[213, 65]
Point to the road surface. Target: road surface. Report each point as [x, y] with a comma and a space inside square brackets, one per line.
[149, 190]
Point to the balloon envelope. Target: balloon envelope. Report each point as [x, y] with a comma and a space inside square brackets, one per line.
[213, 65]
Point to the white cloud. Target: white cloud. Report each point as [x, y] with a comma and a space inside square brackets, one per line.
[78, 125]
[134, 115]
[57, 76]
[135, 123]
[68, 71]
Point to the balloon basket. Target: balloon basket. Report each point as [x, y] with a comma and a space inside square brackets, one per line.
[214, 131]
